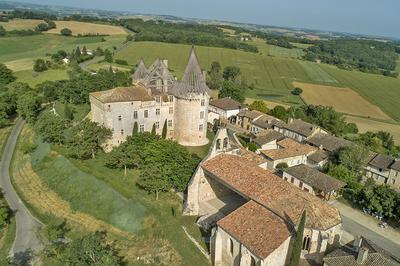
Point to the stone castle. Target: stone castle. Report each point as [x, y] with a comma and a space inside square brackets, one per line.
[157, 99]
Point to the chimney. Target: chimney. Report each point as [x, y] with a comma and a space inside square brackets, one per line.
[362, 255]
[165, 61]
[357, 243]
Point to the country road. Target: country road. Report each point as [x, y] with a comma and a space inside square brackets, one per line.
[26, 240]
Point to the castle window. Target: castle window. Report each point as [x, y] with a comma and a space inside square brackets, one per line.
[146, 113]
[230, 243]
[201, 114]
[157, 125]
[201, 127]
[170, 98]
[301, 184]
[218, 144]
[157, 111]
[292, 180]
[158, 99]
[119, 117]
[134, 114]
[252, 261]
[171, 133]
[169, 123]
[203, 102]
[171, 110]
[141, 128]
[225, 143]
[306, 243]
[122, 132]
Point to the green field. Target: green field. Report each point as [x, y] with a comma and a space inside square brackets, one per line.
[317, 74]
[34, 78]
[273, 50]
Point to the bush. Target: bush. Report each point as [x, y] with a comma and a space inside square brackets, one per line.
[66, 32]
[121, 62]
[297, 91]
[281, 166]
[39, 65]
[27, 147]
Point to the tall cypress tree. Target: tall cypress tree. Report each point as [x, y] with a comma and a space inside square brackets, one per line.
[164, 130]
[135, 129]
[153, 129]
[297, 245]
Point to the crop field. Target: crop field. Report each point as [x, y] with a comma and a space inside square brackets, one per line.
[343, 100]
[379, 90]
[82, 28]
[316, 73]
[365, 125]
[34, 78]
[273, 50]
[270, 104]
[21, 24]
[25, 47]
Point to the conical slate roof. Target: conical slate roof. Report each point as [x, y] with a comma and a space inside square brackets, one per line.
[158, 71]
[193, 81]
[141, 71]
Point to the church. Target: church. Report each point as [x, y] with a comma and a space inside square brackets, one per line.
[156, 100]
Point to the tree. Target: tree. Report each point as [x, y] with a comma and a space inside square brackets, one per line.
[135, 130]
[86, 139]
[84, 50]
[214, 79]
[153, 129]
[66, 32]
[3, 31]
[5, 211]
[28, 106]
[49, 90]
[342, 173]
[353, 157]
[153, 179]
[68, 112]
[39, 65]
[6, 75]
[108, 57]
[42, 27]
[279, 112]
[164, 130]
[298, 243]
[259, 106]
[55, 230]
[282, 166]
[231, 89]
[51, 127]
[297, 91]
[231, 73]
[123, 157]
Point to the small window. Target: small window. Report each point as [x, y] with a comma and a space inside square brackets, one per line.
[170, 98]
[119, 117]
[146, 113]
[171, 110]
[252, 261]
[157, 111]
[301, 184]
[203, 102]
[134, 114]
[292, 180]
[122, 132]
[158, 99]
[306, 243]
[201, 114]
[171, 133]
[231, 246]
[306, 189]
[169, 123]
[141, 128]
[201, 127]
[157, 125]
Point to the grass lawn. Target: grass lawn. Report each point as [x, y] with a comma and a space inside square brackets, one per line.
[35, 78]
[116, 67]
[78, 27]
[79, 111]
[202, 151]
[7, 235]
[21, 24]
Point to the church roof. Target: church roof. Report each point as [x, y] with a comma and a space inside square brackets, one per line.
[141, 71]
[193, 81]
[123, 94]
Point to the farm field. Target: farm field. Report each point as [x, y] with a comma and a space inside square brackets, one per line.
[22, 64]
[273, 50]
[343, 100]
[379, 90]
[21, 48]
[97, 66]
[365, 125]
[269, 104]
[35, 78]
[21, 24]
[82, 28]
[316, 73]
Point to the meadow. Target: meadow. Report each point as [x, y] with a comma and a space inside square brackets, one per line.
[35, 78]
[21, 24]
[83, 28]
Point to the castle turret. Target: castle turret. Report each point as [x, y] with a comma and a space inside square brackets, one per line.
[191, 104]
[141, 72]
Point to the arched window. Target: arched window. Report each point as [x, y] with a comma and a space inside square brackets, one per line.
[218, 144]
[252, 261]
[225, 142]
[306, 243]
[231, 246]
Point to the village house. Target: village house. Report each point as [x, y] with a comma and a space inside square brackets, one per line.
[268, 140]
[328, 142]
[384, 169]
[262, 123]
[361, 252]
[313, 181]
[253, 213]
[223, 109]
[245, 118]
[289, 152]
[156, 99]
[318, 159]
[298, 129]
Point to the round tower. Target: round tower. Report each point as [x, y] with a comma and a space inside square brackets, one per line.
[191, 105]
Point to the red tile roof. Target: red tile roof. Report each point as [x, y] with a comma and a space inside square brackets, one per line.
[123, 94]
[269, 190]
[289, 148]
[257, 228]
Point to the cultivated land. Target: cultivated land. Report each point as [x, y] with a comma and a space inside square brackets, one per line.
[21, 24]
[343, 100]
[87, 28]
[272, 50]
[365, 125]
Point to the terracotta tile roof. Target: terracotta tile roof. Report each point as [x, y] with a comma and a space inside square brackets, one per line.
[289, 148]
[123, 94]
[250, 114]
[318, 156]
[269, 190]
[268, 136]
[257, 228]
[315, 178]
[251, 156]
[226, 104]
[328, 142]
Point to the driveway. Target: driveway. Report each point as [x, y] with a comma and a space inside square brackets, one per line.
[26, 240]
[357, 223]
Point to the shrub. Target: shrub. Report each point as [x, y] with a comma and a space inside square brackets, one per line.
[39, 65]
[27, 147]
[121, 62]
[297, 91]
[66, 32]
[281, 166]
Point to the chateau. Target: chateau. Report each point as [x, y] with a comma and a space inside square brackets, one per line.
[157, 99]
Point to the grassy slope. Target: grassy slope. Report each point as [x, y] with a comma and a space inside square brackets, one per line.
[4, 133]
[33, 78]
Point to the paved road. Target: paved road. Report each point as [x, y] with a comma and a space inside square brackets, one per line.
[26, 240]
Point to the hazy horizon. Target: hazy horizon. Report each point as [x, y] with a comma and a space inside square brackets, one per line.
[357, 16]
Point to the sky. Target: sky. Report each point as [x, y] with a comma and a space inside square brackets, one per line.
[372, 17]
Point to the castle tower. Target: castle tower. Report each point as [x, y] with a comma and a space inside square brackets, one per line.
[191, 105]
[141, 72]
